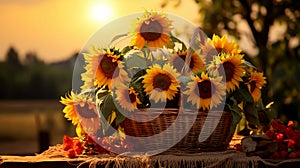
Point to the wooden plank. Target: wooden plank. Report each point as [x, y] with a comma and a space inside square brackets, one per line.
[38, 161]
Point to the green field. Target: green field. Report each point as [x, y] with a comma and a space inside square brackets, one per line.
[22, 121]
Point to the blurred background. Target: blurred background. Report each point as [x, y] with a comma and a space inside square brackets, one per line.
[40, 40]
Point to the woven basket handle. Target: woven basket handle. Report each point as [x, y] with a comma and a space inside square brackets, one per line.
[197, 40]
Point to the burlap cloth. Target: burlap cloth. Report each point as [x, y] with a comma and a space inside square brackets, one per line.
[224, 159]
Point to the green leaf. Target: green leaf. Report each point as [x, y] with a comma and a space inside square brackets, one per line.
[236, 117]
[104, 125]
[241, 125]
[111, 117]
[171, 45]
[247, 63]
[251, 113]
[101, 93]
[236, 113]
[109, 113]
[126, 49]
[159, 62]
[135, 59]
[106, 109]
[117, 37]
[184, 79]
[120, 118]
[107, 106]
[243, 95]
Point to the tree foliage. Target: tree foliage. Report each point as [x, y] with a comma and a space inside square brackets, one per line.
[279, 57]
[32, 78]
[260, 16]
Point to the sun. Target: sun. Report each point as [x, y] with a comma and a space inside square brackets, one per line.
[101, 12]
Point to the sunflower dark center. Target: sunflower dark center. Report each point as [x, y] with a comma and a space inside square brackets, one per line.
[205, 89]
[219, 50]
[162, 81]
[252, 86]
[132, 97]
[108, 67]
[229, 70]
[151, 30]
[180, 61]
[85, 111]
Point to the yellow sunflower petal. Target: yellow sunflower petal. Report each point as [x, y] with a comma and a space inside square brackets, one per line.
[80, 109]
[153, 29]
[102, 68]
[127, 97]
[161, 82]
[196, 64]
[255, 83]
[217, 45]
[229, 66]
[205, 92]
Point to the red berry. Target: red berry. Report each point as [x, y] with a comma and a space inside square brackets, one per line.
[270, 134]
[71, 153]
[67, 139]
[291, 143]
[67, 143]
[291, 124]
[283, 154]
[238, 147]
[275, 155]
[78, 147]
[293, 155]
[279, 137]
[298, 153]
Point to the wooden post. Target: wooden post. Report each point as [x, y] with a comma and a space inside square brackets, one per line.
[43, 134]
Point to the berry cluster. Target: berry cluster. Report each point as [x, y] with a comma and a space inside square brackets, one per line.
[88, 145]
[73, 146]
[288, 139]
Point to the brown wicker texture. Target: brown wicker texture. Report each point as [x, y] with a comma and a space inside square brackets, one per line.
[217, 141]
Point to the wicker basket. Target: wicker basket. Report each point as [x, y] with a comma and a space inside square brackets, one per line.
[162, 119]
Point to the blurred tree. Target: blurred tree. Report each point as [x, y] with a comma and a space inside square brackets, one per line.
[10, 70]
[277, 54]
[260, 15]
[31, 58]
[12, 57]
[34, 79]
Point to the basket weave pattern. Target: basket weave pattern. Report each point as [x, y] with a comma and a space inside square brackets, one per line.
[217, 141]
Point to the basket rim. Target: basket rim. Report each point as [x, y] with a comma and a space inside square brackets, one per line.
[170, 111]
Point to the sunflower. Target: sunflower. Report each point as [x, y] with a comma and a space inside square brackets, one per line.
[178, 61]
[152, 29]
[80, 131]
[217, 45]
[222, 44]
[102, 67]
[231, 67]
[255, 83]
[208, 51]
[69, 109]
[161, 83]
[127, 97]
[205, 92]
[81, 110]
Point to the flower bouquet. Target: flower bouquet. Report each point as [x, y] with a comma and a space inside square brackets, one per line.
[158, 80]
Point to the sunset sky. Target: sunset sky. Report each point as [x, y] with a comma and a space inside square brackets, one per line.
[55, 29]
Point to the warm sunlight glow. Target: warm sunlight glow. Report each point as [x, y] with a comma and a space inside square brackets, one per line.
[101, 12]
